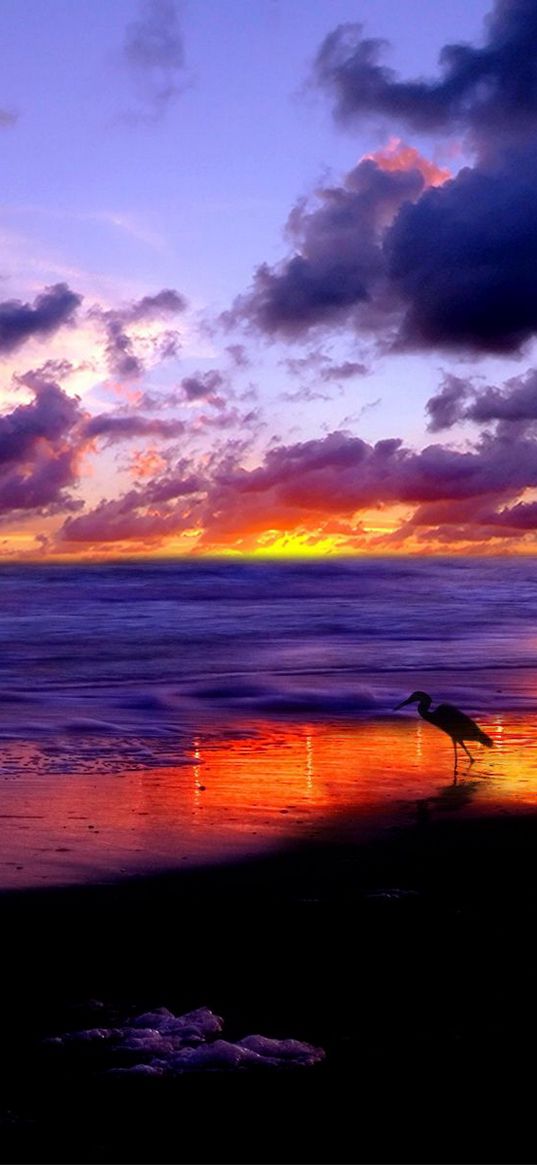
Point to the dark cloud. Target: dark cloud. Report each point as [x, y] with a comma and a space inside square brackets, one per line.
[230, 418]
[512, 405]
[203, 387]
[449, 267]
[151, 307]
[119, 351]
[123, 427]
[200, 388]
[50, 370]
[522, 516]
[141, 515]
[395, 250]
[306, 486]
[154, 52]
[516, 402]
[469, 520]
[181, 483]
[338, 261]
[48, 417]
[343, 473]
[53, 308]
[347, 370]
[448, 405]
[119, 521]
[319, 365]
[122, 360]
[464, 260]
[322, 485]
[40, 447]
[490, 90]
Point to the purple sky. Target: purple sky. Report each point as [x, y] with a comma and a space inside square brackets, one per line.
[268, 276]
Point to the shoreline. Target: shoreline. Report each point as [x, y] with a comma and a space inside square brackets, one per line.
[408, 958]
[246, 793]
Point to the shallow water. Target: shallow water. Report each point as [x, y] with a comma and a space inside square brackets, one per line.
[238, 796]
[159, 713]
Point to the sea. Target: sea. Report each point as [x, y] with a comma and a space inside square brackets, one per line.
[257, 696]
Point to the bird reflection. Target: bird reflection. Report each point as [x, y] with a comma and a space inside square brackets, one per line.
[456, 724]
[449, 800]
[456, 796]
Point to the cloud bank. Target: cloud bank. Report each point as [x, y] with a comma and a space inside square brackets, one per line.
[399, 248]
[489, 91]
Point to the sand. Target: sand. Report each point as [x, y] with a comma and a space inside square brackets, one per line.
[244, 793]
[409, 959]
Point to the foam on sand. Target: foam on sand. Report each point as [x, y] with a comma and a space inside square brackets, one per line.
[159, 1043]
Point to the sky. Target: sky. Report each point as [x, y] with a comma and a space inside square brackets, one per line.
[268, 281]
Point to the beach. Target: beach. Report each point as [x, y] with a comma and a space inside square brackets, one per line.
[408, 959]
[158, 714]
[209, 802]
[268, 582]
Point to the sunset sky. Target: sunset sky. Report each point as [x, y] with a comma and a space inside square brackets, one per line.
[269, 277]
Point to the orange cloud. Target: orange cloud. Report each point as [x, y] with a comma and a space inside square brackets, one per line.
[396, 155]
[146, 463]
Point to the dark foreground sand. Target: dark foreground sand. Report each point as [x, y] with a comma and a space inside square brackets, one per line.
[426, 1004]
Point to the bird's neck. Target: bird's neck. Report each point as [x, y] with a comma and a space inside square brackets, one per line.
[423, 707]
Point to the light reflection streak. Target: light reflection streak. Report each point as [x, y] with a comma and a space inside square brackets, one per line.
[270, 781]
[196, 773]
[309, 762]
[498, 732]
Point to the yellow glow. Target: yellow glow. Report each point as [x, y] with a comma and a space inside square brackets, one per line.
[372, 532]
[298, 545]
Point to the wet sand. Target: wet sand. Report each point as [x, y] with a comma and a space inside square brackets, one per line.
[244, 790]
[409, 958]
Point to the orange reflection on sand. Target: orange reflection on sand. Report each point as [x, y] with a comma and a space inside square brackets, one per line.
[241, 793]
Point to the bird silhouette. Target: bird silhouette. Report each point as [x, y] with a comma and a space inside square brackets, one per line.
[450, 720]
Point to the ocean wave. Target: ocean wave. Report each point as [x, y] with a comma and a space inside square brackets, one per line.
[286, 699]
[144, 651]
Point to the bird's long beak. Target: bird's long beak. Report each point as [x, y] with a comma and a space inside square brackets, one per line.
[402, 704]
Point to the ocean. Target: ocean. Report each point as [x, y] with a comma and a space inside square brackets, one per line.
[223, 677]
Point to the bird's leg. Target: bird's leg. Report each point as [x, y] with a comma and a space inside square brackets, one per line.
[472, 758]
[455, 763]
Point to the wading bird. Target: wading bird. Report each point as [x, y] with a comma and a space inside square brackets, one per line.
[451, 720]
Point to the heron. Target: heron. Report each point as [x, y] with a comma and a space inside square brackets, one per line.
[451, 720]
